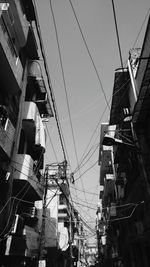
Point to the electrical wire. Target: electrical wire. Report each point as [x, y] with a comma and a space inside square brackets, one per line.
[55, 194]
[84, 156]
[126, 217]
[93, 205]
[11, 210]
[51, 142]
[67, 199]
[117, 33]
[65, 87]
[84, 205]
[84, 212]
[88, 203]
[61, 137]
[87, 226]
[81, 166]
[141, 28]
[89, 53]
[81, 163]
[85, 191]
[95, 163]
[93, 196]
[60, 188]
[63, 75]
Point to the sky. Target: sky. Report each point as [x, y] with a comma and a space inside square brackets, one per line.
[89, 56]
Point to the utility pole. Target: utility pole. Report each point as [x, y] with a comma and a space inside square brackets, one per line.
[70, 237]
[42, 236]
[57, 179]
[79, 241]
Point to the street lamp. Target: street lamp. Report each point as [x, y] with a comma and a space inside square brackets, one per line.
[110, 141]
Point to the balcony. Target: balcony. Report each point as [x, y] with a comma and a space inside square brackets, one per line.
[10, 66]
[20, 24]
[29, 119]
[33, 127]
[25, 181]
[26, 245]
[37, 89]
[7, 132]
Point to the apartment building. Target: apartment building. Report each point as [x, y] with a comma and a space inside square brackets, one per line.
[124, 215]
[24, 104]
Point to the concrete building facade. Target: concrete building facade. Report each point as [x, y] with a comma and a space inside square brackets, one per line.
[123, 230]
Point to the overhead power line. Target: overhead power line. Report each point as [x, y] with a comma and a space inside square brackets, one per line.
[141, 28]
[85, 206]
[117, 33]
[82, 164]
[51, 143]
[87, 192]
[49, 83]
[95, 163]
[89, 53]
[64, 81]
[65, 87]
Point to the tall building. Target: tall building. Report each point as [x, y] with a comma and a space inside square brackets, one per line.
[24, 105]
[124, 218]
